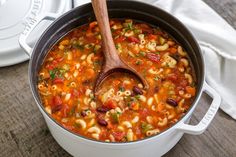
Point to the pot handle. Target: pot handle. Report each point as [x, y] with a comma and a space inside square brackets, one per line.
[30, 27]
[206, 120]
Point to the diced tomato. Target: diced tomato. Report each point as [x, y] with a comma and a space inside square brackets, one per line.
[56, 104]
[56, 100]
[118, 135]
[153, 57]
[54, 62]
[173, 77]
[119, 39]
[183, 83]
[133, 39]
[138, 131]
[50, 67]
[152, 37]
[58, 80]
[191, 90]
[65, 110]
[74, 93]
[110, 104]
[111, 22]
[110, 125]
[93, 24]
[59, 59]
[147, 30]
[143, 113]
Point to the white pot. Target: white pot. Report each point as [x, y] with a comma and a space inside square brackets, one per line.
[150, 147]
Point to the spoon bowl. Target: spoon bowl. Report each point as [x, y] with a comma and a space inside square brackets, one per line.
[112, 61]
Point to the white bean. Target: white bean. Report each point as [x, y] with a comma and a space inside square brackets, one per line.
[150, 101]
[88, 92]
[67, 97]
[142, 98]
[135, 120]
[83, 57]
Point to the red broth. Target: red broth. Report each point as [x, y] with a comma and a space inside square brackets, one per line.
[122, 111]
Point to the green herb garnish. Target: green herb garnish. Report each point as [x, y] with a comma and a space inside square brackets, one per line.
[138, 62]
[145, 127]
[156, 78]
[115, 117]
[142, 53]
[122, 89]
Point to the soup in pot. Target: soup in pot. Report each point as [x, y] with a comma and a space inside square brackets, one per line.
[123, 111]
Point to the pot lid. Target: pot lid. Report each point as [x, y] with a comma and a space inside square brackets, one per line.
[13, 16]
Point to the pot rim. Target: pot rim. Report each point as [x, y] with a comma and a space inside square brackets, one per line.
[146, 139]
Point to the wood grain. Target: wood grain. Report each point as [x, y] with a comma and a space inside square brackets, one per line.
[23, 132]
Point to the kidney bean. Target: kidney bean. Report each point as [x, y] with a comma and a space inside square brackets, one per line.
[56, 108]
[171, 102]
[83, 113]
[102, 109]
[133, 39]
[153, 57]
[102, 122]
[137, 90]
[156, 89]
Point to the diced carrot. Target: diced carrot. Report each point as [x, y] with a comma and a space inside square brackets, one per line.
[152, 37]
[190, 90]
[173, 50]
[90, 72]
[160, 107]
[65, 42]
[135, 106]
[110, 104]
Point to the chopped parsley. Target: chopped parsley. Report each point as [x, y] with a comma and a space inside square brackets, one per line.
[121, 88]
[142, 53]
[145, 127]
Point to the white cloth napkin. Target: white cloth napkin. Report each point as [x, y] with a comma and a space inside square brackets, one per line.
[217, 40]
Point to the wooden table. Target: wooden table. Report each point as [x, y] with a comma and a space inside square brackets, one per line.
[23, 131]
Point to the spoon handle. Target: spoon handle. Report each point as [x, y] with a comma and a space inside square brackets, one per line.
[109, 50]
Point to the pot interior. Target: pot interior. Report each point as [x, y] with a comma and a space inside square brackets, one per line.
[117, 9]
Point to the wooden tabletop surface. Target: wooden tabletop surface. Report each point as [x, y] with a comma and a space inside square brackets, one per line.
[23, 132]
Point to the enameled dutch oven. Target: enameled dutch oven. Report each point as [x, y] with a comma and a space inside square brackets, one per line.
[149, 147]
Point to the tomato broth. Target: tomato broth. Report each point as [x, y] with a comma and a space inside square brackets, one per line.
[123, 111]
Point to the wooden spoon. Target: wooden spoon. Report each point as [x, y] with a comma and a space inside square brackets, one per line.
[112, 62]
